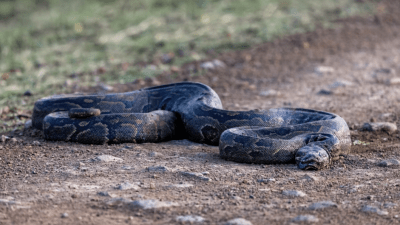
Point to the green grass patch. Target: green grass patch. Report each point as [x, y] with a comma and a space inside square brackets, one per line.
[47, 45]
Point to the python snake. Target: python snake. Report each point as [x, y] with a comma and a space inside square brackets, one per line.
[310, 138]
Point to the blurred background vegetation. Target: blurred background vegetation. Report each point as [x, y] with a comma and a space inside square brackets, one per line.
[47, 46]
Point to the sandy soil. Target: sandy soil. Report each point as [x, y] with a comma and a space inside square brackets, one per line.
[350, 71]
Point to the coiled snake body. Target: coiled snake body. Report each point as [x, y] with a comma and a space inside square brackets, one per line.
[194, 111]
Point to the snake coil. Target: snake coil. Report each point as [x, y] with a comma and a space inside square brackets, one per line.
[194, 111]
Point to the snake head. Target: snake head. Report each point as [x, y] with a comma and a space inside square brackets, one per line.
[312, 158]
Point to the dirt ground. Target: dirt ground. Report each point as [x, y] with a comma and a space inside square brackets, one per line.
[350, 70]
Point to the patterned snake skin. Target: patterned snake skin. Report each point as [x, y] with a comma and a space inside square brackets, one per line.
[194, 111]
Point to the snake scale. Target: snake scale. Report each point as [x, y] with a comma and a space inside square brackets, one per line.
[310, 138]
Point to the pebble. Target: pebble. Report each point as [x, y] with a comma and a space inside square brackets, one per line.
[117, 201]
[320, 70]
[266, 180]
[7, 202]
[36, 143]
[238, 221]
[390, 205]
[293, 193]
[341, 83]
[270, 93]
[13, 140]
[199, 176]
[380, 126]
[28, 93]
[389, 163]
[305, 218]
[212, 64]
[64, 215]
[104, 193]
[218, 63]
[167, 58]
[393, 81]
[373, 209]
[4, 138]
[105, 87]
[158, 169]
[151, 204]
[186, 185]
[28, 124]
[322, 205]
[106, 158]
[127, 186]
[308, 177]
[155, 154]
[190, 219]
[325, 92]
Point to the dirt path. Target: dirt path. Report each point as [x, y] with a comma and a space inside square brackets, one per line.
[350, 71]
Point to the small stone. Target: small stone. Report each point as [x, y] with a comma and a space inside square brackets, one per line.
[293, 193]
[105, 87]
[238, 221]
[28, 124]
[36, 143]
[190, 219]
[199, 176]
[325, 92]
[322, 205]
[305, 218]
[127, 186]
[181, 185]
[104, 193]
[28, 93]
[155, 154]
[207, 65]
[380, 126]
[152, 186]
[266, 180]
[6, 110]
[218, 63]
[270, 93]
[64, 215]
[308, 177]
[158, 169]
[167, 58]
[373, 209]
[4, 138]
[393, 81]
[175, 69]
[390, 205]
[117, 201]
[389, 163]
[151, 204]
[13, 140]
[74, 196]
[341, 83]
[106, 158]
[320, 70]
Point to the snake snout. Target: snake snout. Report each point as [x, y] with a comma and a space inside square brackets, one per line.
[312, 158]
